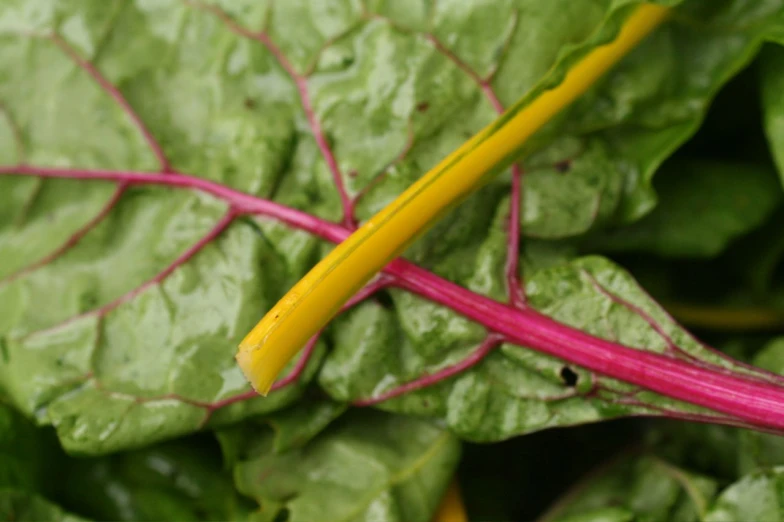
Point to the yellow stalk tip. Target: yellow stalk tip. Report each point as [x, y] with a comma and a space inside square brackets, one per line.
[451, 508]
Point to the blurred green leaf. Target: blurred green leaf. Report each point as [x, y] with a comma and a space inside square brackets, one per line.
[703, 205]
[366, 466]
[757, 496]
[636, 488]
[179, 480]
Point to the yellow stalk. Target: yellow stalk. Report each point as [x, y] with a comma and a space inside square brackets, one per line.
[451, 508]
[318, 296]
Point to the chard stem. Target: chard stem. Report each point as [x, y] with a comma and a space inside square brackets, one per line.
[753, 401]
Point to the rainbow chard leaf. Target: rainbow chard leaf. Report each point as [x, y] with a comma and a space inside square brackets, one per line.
[168, 169]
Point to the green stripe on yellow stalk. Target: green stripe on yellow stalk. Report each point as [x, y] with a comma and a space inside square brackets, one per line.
[318, 296]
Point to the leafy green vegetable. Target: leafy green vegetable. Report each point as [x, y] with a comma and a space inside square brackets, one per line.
[168, 169]
[153, 297]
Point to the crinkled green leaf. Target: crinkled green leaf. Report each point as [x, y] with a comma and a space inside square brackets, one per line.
[117, 342]
[366, 466]
[637, 488]
[703, 206]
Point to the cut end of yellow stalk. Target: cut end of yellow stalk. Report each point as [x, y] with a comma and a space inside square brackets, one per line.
[259, 363]
[253, 373]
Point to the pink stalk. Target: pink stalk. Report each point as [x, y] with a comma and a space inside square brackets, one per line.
[757, 403]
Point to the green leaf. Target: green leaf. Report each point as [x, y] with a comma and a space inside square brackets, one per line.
[28, 455]
[179, 480]
[763, 450]
[703, 206]
[705, 448]
[292, 427]
[23, 506]
[757, 496]
[367, 466]
[18, 441]
[121, 305]
[772, 83]
[30, 465]
[636, 488]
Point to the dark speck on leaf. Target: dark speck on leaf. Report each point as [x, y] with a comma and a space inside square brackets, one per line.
[353, 174]
[568, 376]
[250, 103]
[423, 106]
[563, 166]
